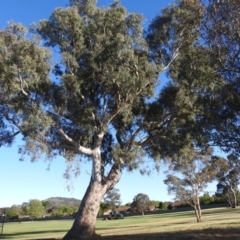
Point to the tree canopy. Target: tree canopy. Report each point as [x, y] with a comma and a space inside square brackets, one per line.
[141, 203]
[35, 208]
[113, 199]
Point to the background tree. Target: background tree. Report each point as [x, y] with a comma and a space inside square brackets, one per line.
[155, 203]
[163, 205]
[35, 208]
[208, 70]
[104, 206]
[141, 203]
[113, 199]
[220, 34]
[228, 178]
[189, 176]
[13, 212]
[66, 209]
[206, 198]
[46, 205]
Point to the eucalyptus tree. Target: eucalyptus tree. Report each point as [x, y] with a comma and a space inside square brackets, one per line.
[228, 177]
[188, 177]
[113, 199]
[220, 33]
[96, 104]
[104, 75]
[141, 202]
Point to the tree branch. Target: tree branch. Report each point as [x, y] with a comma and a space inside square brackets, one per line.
[22, 82]
[83, 150]
[132, 139]
[10, 136]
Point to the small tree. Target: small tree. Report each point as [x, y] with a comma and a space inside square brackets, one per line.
[140, 203]
[228, 178]
[163, 205]
[103, 207]
[206, 199]
[13, 212]
[189, 177]
[113, 199]
[35, 208]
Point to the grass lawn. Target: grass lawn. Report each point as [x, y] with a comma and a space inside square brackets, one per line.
[220, 223]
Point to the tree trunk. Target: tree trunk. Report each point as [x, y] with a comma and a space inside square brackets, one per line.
[234, 199]
[229, 201]
[85, 221]
[197, 213]
[84, 224]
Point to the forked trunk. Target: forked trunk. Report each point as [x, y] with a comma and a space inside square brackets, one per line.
[84, 224]
[198, 213]
[85, 221]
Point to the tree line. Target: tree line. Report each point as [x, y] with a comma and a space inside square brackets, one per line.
[101, 101]
[35, 209]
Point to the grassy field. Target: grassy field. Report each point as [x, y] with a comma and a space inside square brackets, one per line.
[221, 223]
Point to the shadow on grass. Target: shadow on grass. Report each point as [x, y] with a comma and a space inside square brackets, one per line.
[11, 235]
[204, 234]
[209, 234]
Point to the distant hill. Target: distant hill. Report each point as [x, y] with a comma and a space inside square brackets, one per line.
[59, 201]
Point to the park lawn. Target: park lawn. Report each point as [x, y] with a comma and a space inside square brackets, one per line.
[217, 224]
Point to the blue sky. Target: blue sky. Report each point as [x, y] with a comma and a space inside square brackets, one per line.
[22, 181]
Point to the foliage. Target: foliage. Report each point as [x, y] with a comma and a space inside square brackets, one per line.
[155, 203]
[141, 203]
[228, 178]
[46, 204]
[163, 205]
[13, 212]
[112, 199]
[24, 69]
[220, 34]
[206, 199]
[104, 206]
[35, 208]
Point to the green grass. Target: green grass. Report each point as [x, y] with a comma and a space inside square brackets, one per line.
[217, 224]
